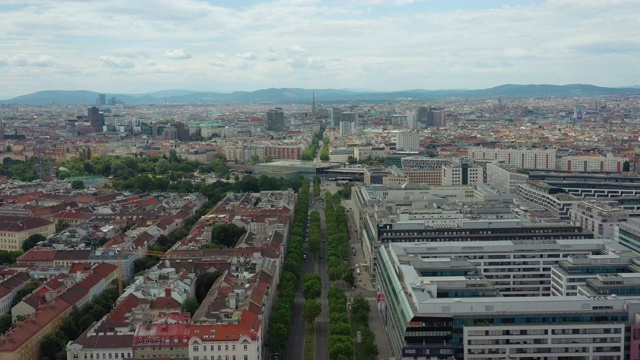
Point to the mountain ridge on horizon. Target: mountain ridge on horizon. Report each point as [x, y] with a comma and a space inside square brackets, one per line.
[302, 95]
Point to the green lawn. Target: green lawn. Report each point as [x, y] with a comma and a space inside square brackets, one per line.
[310, 342]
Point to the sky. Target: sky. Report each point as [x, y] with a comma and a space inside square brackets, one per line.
[138, 46]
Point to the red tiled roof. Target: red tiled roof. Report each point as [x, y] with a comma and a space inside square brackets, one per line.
[104, 269]
[27, 329]
[165, 303]
[18, 223]
[118, 316]
[249, 326]
[37, 254]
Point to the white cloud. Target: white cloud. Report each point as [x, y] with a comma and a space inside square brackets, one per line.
[178, 54]
[26, 60]
[388, 45]
[247, 56]
[117, 62]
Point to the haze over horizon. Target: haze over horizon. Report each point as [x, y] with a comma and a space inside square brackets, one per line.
[145, 46]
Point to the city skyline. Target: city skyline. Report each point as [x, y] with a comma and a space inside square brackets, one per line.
[137, 47]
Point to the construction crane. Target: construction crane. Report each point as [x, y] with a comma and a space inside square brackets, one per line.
[158, 254]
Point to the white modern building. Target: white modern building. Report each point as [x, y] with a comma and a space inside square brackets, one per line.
[424, 320]
[462, 173]
[423, 162]
[505, 178]
[599, 216]
[407, 141]
[588, 163]
[540, 159]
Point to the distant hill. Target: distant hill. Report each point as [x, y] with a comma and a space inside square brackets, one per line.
[298, 95]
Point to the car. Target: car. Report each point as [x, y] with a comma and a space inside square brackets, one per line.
[304, 256]
[320, 256]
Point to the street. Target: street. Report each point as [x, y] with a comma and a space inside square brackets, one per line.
[318, 265]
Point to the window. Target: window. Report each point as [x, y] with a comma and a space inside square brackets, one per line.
[246, 347]
[233, 347]
[195, 348]
[219, 347]
[75, 356]
[226, 347]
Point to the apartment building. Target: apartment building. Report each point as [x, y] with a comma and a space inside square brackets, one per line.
[588, 163]
[14, 230]
[539, 159]
[598, 216]
[423, 321]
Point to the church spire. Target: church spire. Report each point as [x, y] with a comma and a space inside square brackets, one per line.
[313, 105]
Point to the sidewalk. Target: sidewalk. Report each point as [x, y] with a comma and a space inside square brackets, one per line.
[369, 290]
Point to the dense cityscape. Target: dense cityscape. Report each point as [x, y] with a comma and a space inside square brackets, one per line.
[457, 228]
[319, 180]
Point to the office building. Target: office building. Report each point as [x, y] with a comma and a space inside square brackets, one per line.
[505, 178]
[628, 234]
[579, 114]
[407, 141]
[539, 159]
[275, 120]
[422, 162]
[574, 271]
[462, 173]
[96, 118]
[438, 306]
[599, 216]
[335, 115]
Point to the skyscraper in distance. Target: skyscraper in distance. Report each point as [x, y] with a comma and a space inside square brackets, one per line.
[275, 119]
[93, 114]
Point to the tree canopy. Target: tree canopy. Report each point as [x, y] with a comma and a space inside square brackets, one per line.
[227, 234]
[204, 282]
[32, 241]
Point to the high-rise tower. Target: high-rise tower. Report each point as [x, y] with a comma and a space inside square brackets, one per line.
[93, 114]
[313, 105]
[275, 119]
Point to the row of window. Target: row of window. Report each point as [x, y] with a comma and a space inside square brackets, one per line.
[104, 356]
[196, 348]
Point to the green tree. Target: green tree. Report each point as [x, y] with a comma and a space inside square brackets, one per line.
[32, 241]
[7, 257]
[5, 323]
[278, 337]
[144, 263]
[25, 291]
[227, 234]
[204, 282]
[311, 310]
[311, 286]
[69, 328]
[255, 159]
[85, 321]
[349, 279]
[190, 305]
[360, 309]
[51, 344]
[77, 184]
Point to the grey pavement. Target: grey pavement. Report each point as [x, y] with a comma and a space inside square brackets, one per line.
[365, 286]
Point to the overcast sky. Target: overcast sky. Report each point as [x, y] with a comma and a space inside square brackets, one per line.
[135, 46]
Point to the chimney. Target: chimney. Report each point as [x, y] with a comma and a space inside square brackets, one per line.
[232, 301]
[167, 292]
